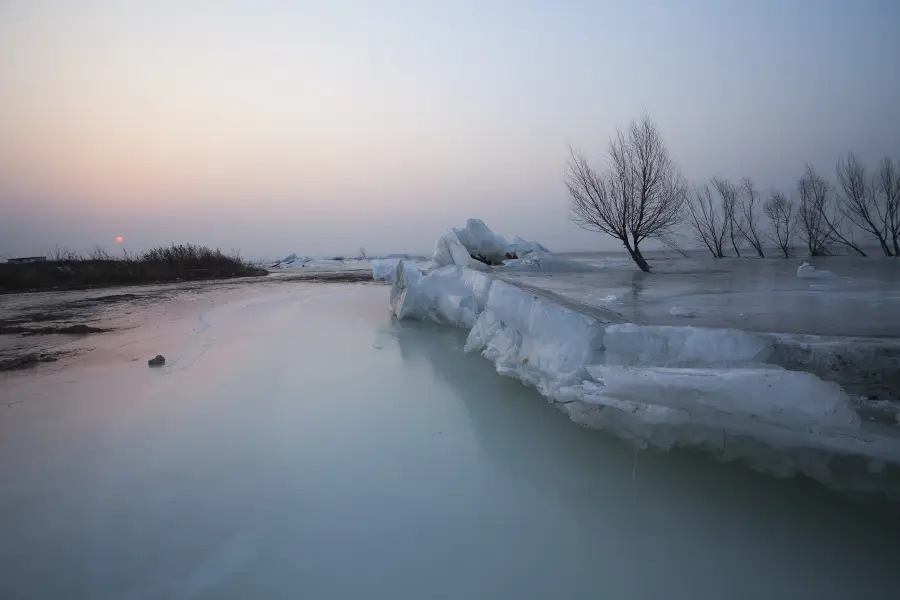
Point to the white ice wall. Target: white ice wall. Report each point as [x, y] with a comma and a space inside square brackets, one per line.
[713, 389]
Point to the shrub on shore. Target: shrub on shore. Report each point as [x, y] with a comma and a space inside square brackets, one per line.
[67, 270]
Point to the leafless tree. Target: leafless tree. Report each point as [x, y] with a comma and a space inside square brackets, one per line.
[748, 224]
[639, 195]
[669, 241]
[708, 224]
[814, 229]
[780, 211]
[820, 224]
[860, 203]
[728, 195]
[888, 188]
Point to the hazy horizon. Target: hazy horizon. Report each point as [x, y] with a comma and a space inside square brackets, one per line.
[318, 128]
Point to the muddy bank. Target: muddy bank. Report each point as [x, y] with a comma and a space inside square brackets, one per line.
[33, 359]
[42, 327]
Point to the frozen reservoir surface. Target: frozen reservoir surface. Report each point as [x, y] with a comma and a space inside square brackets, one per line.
[300, 443]
[862, 298]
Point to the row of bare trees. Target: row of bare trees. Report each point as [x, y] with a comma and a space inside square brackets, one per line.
[730, 212]
[641, 195]
[821, 216]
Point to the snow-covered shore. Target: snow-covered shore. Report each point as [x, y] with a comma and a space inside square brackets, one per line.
[759, 398]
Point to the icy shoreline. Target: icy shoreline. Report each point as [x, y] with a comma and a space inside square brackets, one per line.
[722, 391]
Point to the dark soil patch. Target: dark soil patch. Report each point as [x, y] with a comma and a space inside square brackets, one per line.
[110, 299]
[42, 317]
[349, 277]
[33, 359]
[80, 329]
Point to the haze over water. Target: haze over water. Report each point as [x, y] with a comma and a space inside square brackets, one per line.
[321, 127]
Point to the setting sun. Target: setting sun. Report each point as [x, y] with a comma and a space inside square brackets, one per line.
[119, 239]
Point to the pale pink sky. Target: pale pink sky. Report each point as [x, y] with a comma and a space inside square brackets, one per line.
[317, 127]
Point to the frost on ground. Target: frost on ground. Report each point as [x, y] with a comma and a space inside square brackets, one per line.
[725, 391]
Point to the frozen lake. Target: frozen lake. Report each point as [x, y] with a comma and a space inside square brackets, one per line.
[863, 299]
[300, 444]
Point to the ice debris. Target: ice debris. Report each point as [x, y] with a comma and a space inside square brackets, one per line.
[450, 295]
[714, 389]
[683, 312]
[385, 269]
[807, 271]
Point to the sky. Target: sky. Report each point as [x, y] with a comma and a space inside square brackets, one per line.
[317, 127]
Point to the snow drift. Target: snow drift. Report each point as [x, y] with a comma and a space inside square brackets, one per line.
[663, 386]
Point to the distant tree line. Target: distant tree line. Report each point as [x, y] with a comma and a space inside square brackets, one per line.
[641, 195]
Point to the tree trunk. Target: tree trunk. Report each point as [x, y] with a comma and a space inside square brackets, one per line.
[640, 260]
[734, 245]
[637, 257]
[884, 246]
[896, 246]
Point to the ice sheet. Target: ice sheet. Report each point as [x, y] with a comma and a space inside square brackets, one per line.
[668, 346]
[764, 393]
[657, 384]
[748, 294]
[302, 444]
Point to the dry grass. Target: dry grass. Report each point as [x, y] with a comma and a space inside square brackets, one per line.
[69, 270]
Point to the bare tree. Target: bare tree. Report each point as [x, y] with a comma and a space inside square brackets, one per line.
[839, 234]
[638, 197]
[708, 224]
[888, 187]
[859, 202]
[748, 225]
[814, 229]
[729, 207]
[671, 243]
[780, 211]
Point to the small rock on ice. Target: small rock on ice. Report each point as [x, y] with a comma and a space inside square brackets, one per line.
[157, 361]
